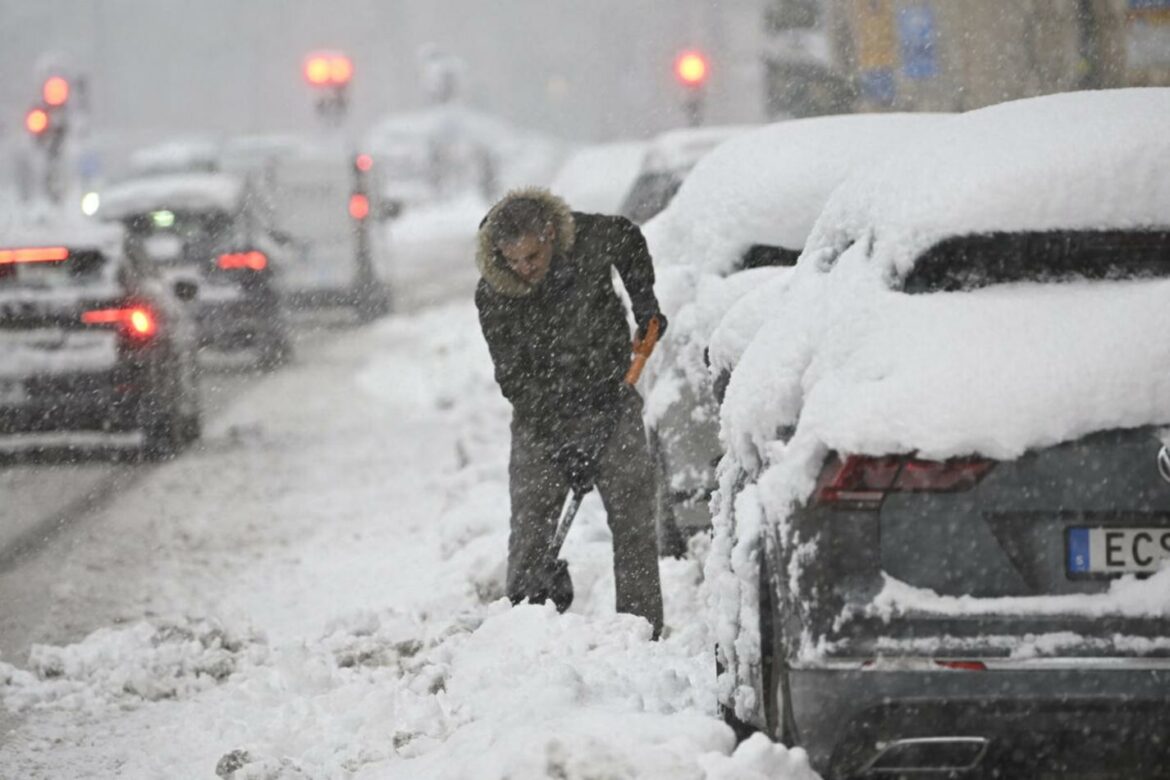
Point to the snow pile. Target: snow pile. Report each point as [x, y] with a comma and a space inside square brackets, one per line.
[597, 178]
[768, 186]
[758, 758]
[120, 668]
[356, 514]
[179, 192]
[1079, 160]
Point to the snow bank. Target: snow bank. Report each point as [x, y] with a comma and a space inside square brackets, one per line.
[1078, 160]
[186, 191]
[768, 186]
[353, 516]
[597, 178]
[124, 668]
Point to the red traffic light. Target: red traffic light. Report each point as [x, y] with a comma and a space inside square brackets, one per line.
[325, 69]
[363, 162]
[37, 121]
[359, 206]
[691, 68]
[55, 91]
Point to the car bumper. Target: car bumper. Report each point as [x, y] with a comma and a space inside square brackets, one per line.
[106, 401]
[239, 324]
[1099, 719]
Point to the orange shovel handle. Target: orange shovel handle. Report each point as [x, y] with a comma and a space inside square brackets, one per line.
[642, 349]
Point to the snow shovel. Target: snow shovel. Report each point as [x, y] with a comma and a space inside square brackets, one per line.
[559, 569]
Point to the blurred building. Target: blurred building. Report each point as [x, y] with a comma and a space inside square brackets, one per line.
[825, 56]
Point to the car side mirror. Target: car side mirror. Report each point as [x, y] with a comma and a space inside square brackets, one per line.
[186, 290]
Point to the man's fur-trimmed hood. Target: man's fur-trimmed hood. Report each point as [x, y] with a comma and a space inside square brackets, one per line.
[488, 259]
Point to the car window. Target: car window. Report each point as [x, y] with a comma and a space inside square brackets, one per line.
[78, 269]
[765, 256]
[650, 194]
[166, 238]
[968, 262]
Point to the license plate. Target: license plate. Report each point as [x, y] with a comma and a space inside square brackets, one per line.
[12, 392]
[1117, 550]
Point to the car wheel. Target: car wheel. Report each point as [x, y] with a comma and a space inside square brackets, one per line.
[741, 729]
[774, 662]
[162, 433]
[671, 542]
[192, 428]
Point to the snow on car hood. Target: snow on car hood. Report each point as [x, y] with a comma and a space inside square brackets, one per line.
[768, 186]
[1071, 161]
[187, 191]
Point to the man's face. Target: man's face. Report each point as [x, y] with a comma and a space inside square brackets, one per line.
[530, 255]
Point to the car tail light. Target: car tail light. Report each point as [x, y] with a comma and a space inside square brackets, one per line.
[922, 665]
[137, 322]
[866, 481]
[34, 254]
[255, 261]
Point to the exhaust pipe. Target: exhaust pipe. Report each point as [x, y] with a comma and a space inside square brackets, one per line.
[927, 756]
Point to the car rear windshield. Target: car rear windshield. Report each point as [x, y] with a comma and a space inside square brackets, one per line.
[968, 262]
[79, 269]
[180, 238]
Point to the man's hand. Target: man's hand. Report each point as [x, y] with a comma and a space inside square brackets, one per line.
[645, 325]
[579, 467]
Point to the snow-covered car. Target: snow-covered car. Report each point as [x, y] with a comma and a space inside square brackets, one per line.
[945, 512]
[737, 225]
[323, 203]
[667, 161]
[597, 178]
[92, 341]
[205, 228]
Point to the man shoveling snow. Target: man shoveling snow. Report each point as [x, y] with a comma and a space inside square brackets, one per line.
[558, 337]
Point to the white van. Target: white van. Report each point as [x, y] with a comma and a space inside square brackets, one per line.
[324, 206]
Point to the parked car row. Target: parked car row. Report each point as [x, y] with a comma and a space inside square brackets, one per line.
[930, 435]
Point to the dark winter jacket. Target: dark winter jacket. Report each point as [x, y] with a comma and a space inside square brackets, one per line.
[562, 346]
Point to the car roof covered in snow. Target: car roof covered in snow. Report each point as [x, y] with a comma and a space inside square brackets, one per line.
[859, 367]
[597, 177]
[182, 192]
[680, 149]
[1074, 161]
[177, 156]
[768, 186]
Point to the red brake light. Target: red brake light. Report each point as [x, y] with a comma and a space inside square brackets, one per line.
[35, 254]
[359, 206]
[256, 261]
[867, 480]
[136, 321]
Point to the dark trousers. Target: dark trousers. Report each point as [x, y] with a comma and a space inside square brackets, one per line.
[626, 484]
